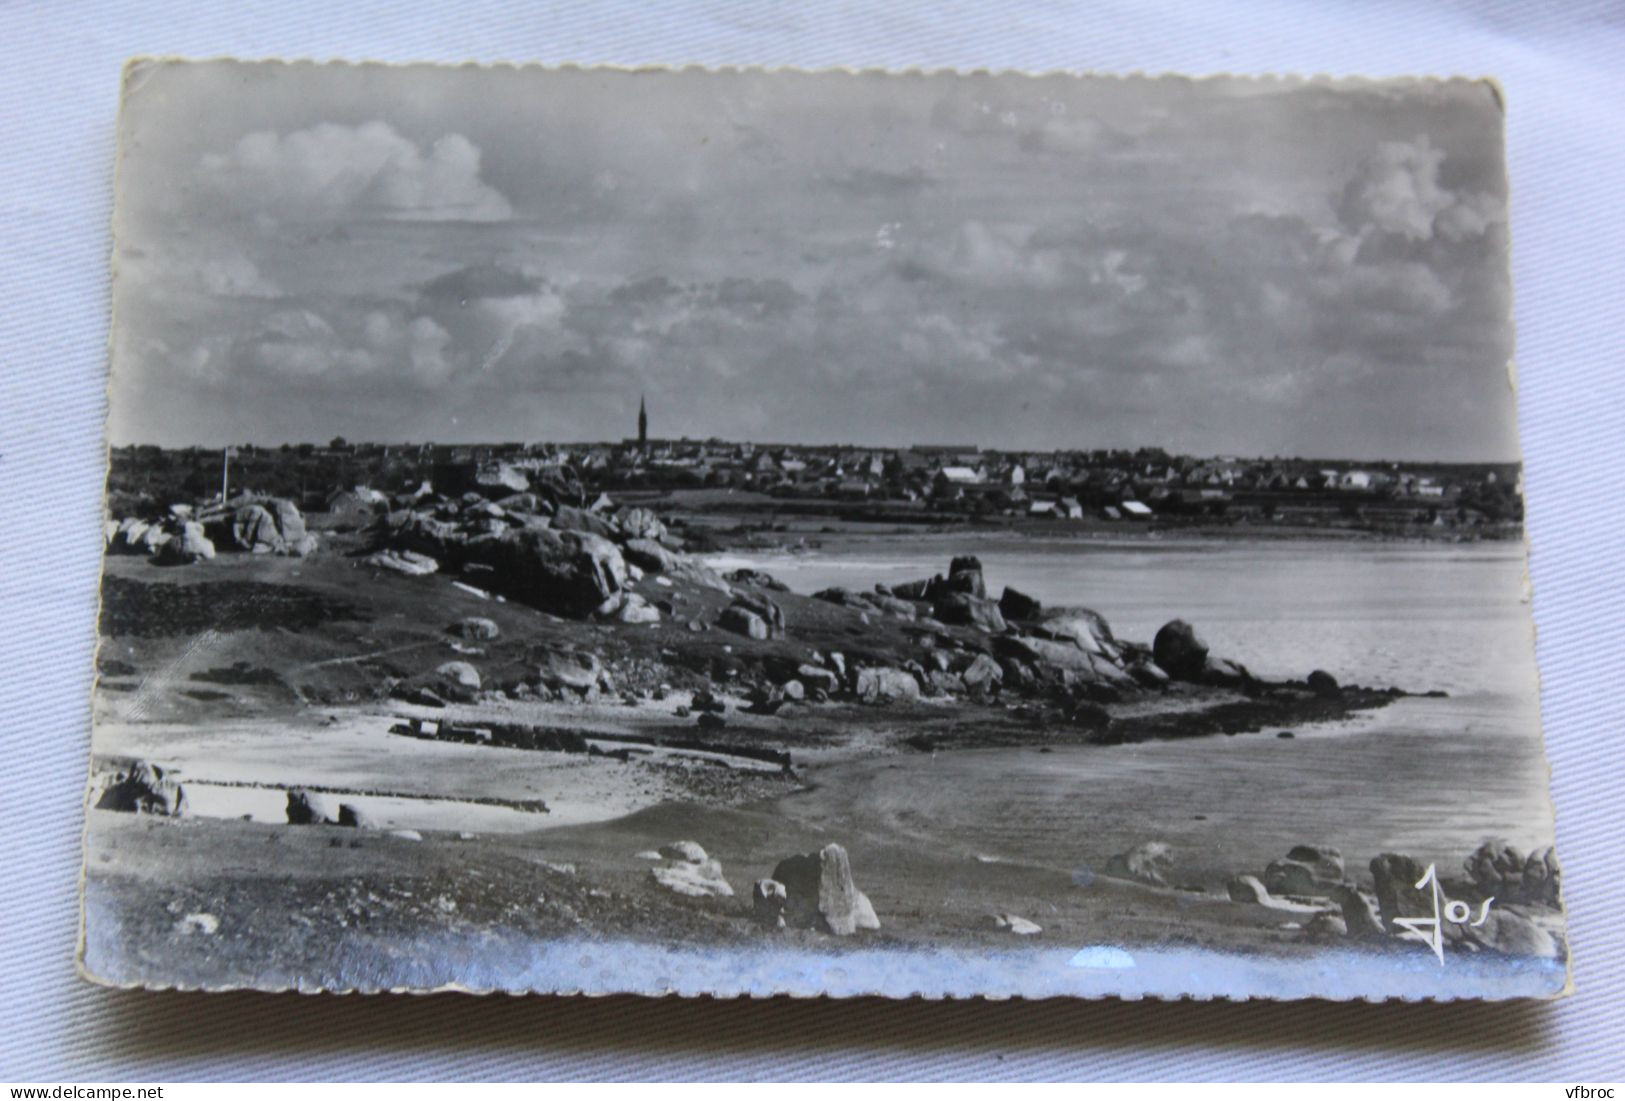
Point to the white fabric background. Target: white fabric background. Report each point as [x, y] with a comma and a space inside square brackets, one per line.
[1560, 64]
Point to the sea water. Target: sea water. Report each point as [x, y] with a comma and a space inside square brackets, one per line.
[1427, 777]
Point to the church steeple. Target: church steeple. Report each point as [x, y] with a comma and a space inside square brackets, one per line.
[643, 425]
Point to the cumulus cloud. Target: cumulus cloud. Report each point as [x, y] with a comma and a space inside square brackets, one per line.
[1004, 261]
[367, 170]
[1403, 288]
[302, 344]
[980, 252]
[180, 271]
[493, 313]
[1112, 267]
[948, 345]
[1397, 190]
[234, 275]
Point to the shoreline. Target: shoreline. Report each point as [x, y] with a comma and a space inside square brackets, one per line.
[588, 884]
[760, 529]
[722, 711]
[759, 753]
[743, 517]
[1106, 538]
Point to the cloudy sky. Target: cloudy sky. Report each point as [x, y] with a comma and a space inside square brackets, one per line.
[467, 254]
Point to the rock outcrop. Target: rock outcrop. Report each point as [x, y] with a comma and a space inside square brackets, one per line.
[648, 555]
[1543, 879]
[1018, 926]
[143, 788]
[571, 573]
[186, 546]
[1510, 932]
[1180, 651]
[1496, 868]
[129, 536]
[1325, 862]
[743, 621]
[253, 529]
[1396, 877]
[1046, 653]
[457, 679]
[290, 522]
[499, 478]
[761, 579]
[580, 519]
[768, 899]
[965, 576]
[1324, 685]
[967, 609]
[820, 894]
[1499, 868]
[640, 523]
[879, 684]
[817, 678]
[1085, 628]
[309, 808]
[476, 629]
[982, 677]
[351, 815]
[635, 609]
[578, 673]
[1360, 917]
[1290, 877]
[691, 872]
[408, 562]
[685, 852]
[1017, 605]
[764, 609]
[1149, 863]
[267, 526]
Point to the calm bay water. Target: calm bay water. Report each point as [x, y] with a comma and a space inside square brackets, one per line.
[1420, 615]
[1427, 777]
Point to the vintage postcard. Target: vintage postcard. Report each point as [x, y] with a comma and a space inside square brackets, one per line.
[752, 532]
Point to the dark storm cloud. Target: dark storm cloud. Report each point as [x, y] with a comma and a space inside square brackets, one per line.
[1218, 266]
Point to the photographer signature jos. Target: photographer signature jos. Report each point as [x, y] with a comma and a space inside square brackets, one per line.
[1430, 930]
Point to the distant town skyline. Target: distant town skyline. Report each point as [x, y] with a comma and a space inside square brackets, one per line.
[483, 255]
[656, 441]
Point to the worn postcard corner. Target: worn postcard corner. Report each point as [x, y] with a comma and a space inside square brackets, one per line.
[720, 532]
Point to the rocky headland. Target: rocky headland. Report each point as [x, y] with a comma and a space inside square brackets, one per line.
[514, 617]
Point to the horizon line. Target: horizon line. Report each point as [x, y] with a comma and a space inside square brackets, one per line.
[631, 442]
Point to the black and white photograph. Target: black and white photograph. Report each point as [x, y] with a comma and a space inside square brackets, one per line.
[763, 531]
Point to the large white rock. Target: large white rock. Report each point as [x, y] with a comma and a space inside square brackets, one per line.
[408, 562]
[460, 673]
[1019, 926]
[698, 880]
[820, 893]
[688, 852]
